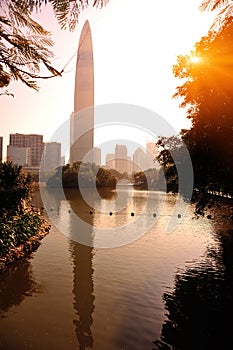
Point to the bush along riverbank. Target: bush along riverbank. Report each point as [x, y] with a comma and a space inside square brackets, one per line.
[21, 226]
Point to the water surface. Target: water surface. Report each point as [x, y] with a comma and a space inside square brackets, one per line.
[159, 287]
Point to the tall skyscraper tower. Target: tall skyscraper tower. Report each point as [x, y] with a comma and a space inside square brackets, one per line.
[82, 123]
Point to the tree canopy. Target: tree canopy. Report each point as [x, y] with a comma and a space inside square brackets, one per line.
[81, 175]
[207, 94]
[25, 46]
[224, 10]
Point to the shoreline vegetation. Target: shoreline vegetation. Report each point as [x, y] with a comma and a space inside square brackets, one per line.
[25, 247]
[22, 226]
[81, 175]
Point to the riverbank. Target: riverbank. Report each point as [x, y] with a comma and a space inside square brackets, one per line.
[26, 248]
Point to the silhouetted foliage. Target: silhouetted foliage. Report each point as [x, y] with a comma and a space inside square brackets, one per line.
[207, 93]
[24, 43]
[18, 222]
[148, 180]
[225, 11]
[200, 305]
[15, 188]
[81, 175]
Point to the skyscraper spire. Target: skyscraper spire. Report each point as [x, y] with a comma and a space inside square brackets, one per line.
[82, 120]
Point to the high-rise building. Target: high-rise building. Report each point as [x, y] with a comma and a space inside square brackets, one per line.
[93, 156]
[96, 155]
[52, 155]
[110, 160]
[151, 154]
[82, 120]
[19, 155]
[62, 160]
[139, 160]
[1, 148]
[121, 159]
[34, 141]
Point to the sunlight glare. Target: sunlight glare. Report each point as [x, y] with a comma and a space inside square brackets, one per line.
[195, 59]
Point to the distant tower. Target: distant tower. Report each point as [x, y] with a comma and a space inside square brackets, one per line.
[82, 124]
[151, 154]
[121, 159]
[139, 160]
[51, 155]
[110, 160]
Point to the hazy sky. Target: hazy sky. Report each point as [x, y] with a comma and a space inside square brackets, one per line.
[134, 47]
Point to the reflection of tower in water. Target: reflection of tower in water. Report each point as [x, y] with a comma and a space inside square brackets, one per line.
[83, 286]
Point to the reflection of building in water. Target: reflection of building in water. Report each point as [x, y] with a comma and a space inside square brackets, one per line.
[139, 160]
[83, 287]
[17, 283]
[151, 154]
[82, 123]
[83, 293]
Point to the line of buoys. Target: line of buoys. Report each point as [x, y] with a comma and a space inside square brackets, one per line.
[133, 214]
[91, 212]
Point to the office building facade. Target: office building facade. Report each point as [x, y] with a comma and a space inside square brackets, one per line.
[34, 142]
[19, 155]
[52, 155]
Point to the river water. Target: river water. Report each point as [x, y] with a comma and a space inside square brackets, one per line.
[173, 288]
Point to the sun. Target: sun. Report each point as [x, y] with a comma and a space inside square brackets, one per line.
[195, 59]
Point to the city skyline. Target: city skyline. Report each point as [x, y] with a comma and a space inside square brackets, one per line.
[117, 78]
[139, 161]
[29, 151]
